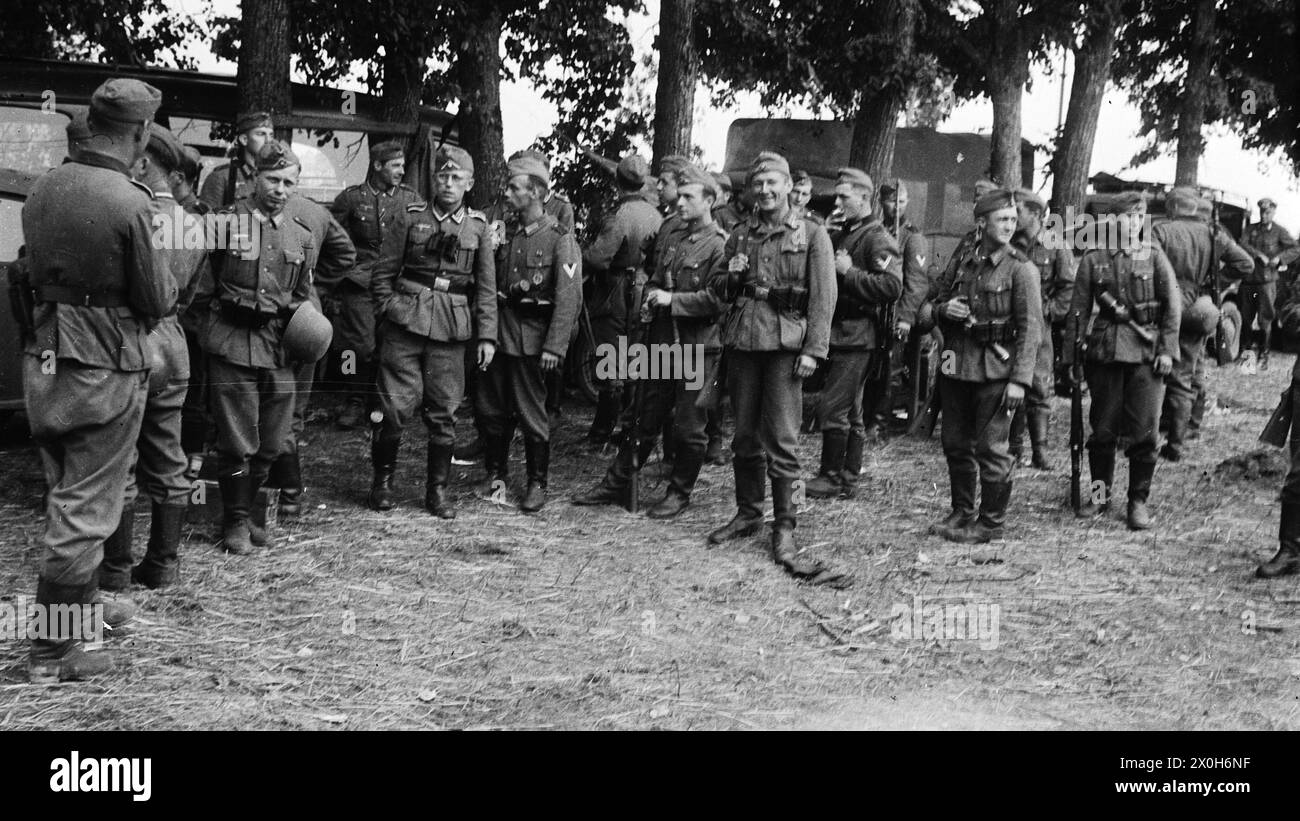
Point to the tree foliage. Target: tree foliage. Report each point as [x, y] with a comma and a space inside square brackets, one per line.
[130, 32]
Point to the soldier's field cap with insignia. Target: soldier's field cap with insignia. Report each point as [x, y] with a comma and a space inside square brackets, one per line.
[1029, 197]
[453, 158]
[1182, 197]
[387, 150]
[856, 177]
[529, 166]
[1127, 202]
[253, 119]
[276, 155]
[767, 161]
[995, 200]
[125, 101]
[1267, 203]
[691, 174]
[165, 147]
[671, 163]
[632, 170]
[535, 154]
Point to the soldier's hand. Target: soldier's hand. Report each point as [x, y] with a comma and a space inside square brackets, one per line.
[487, 350]
[956, 309]
[738, 264]
[805, 367]
[659, 298]
[902, 331]
[498, 234]
[843, 262]
[1164, 365]
[549, 361]
[1015, 396]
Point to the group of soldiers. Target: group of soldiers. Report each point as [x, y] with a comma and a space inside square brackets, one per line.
[156, 349]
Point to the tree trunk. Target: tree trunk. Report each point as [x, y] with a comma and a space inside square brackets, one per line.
[403, 82]
[679, 73]
[875, 127]
[478, 73]
[1092, 61]
[264, 49]
[1191, 114]
[1008, 72]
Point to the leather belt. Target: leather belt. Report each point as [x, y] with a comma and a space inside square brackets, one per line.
[66, 295]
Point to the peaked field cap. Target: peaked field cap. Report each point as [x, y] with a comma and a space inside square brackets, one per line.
[632, 170]
[528, 166]
[995, 200]
[387, 150]
[854, 176]
[453, 158]
[691, 174]
[253, 119]
[1267, 202]
[276, 155]
[767, 161]
[125, 101]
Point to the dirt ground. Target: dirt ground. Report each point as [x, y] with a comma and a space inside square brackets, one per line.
[598, 619]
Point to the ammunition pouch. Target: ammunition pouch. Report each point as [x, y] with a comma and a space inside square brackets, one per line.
[781, 297]
[524, 304]
[998, 330]
[1147, 313]
[448, 283]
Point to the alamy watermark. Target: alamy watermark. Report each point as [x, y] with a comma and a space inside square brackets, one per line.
[183, 231]
[1072, 231]
[25, 619]
[657, 360]
[947, 619]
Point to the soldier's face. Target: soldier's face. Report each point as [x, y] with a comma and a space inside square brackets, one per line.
[691, 202]
[1000, 225]
[391, 172]
[853, 202]
[450, 187]
[180, 186]
[1266, 213]
[667, 186]
[801, 194]
[896, 204]
[771, 190]
[521, 193]
[1030, 219]
[275, 187]
[255, 138]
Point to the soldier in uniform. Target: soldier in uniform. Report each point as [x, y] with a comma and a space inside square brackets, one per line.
[98, 286]
[991, 314]
[1272, 249]
[801, 195]
[426, 297]
[1134, 287]
[185, 181]
[724, 212]
[374, 214]
[234, 180]
[539, 290]
[683, 313]
[1056, 282]
[1286, 561]
[1195, 249]
[869, 275]
[250, 298]
[779, 272]
[611, 263]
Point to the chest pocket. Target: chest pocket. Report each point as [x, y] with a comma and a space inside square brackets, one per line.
[365, 223]
[466, 248]
[690, 276]
[539, 264]
[995, 294]
[291, 268]
[417, 240]
[792, 259]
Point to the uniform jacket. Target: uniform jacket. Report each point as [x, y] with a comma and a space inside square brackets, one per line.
[335, 254]
[618, 250]
[999, 287]
[213, 191]
[456, 247]
[874, 280]
[1056, 272]
[916, 278]
[1145, 283]
[546, 254]
[1273, 241]
[794, 252]
[89, 227]
[1188, 241]
[680, 262]
[726, 216]
[375, 221]
[965, 247]
[187, 266]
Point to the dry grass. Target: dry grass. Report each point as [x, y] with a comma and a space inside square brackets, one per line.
[577, 618]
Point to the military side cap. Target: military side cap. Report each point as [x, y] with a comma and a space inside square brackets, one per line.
[723, 181]
[854, 176]
[165, 147]
[632, 170]
[691, 174]
[125, 101]
[1201, 316]
[530, 166]
[1029, 197]
[995, 200]
[1267, 203]
[453, 158]
[890, 189]
[672, 163]
[253, 119]
[800, 176]
[1183, 197]
[308, 334]
[78, 129]
[1205, 209]
[387, 150]
[768, 161]
[983, 187]
[1126, 201]
[276, 155]
[533, 153]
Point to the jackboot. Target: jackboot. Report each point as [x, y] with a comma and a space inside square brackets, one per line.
[962, 515]
[1101, 468]
[161, 565]
[383, 461]
[1039, 421]
[612, 489]
[749, 504]
[435, 488]
[994, 499]
[607, 411]
[236, 503]
[496, 463]
[1287, 559]
[852, 472]
[286, 474]
[115, 569]
[1139, 490]
[827, 483]
[784, 550]
[538, 455]
[257, 480]
[58, 650]
[685, 471]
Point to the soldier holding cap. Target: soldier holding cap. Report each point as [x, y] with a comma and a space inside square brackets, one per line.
[251, 297]
[1273, 250]
[991, 314]
[869, 273]
[1196, 250]
[439, 294]
[98, 286]
[374, 215]
[234, 180]
[779, 271]
[1132, 347]
[539, 290]
[612, 262]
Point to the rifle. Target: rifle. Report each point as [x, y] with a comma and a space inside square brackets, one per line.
[1279, 424]
[1222, 355]
[1076, 418]
[646, 317]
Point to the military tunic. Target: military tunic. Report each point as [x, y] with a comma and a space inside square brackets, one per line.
[1258, 292]
[213, 191]
[611, 264]
[879, 392]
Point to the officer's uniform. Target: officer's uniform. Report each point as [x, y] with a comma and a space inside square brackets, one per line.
[1125, 389]
[1195, 250]
[782, 309]
[539, 287]
[215, 191]
[1259, 288]
[375, 221]
[1002, 290]
[98, 288]
[879, 391]
[865, 292]
[440, 294]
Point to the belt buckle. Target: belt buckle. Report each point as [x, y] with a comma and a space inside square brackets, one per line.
[441, 284]
[762, 292]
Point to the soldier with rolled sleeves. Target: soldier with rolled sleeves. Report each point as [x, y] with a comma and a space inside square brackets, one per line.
[611, 264]
[1286, 561]
[991, 313]
[250, 298]
[374, 214]
[1272, 248]
[98, 286]
[440, 294]
[1195, 250]
[539, 290]
[1056, 283]
[779, 272]
[869, 275]
[683, 313]
[1136, 292]
[232, 181]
